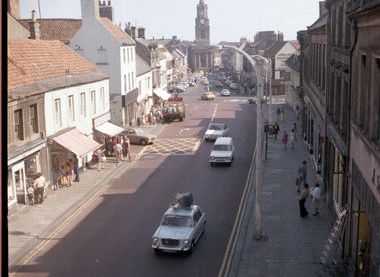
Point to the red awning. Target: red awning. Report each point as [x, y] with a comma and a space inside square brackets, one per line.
[77, 142]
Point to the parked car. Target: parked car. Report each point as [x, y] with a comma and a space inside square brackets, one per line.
[233, 86]
[180, 229]
[137, 136]
[222, 151]
[216, 130]
[225, 92]
[218, 84]
[208, 95]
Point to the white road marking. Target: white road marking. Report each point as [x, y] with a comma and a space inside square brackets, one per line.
[183, 129]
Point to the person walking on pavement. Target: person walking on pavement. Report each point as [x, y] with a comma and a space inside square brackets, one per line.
[98, 159]
[276, 129]
[301, 175]
[295, 131]
[127, 148]
[282, 114]
[278, 112]
[292, 140]
[76, 169]
[316, 195]
[103, 160]
[118, 152]
[39, 185]
[285, 139]
[304, 195]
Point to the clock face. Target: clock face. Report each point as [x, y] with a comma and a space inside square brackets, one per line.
[202, 21]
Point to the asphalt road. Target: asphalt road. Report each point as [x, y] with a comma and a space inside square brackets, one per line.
[112, 236]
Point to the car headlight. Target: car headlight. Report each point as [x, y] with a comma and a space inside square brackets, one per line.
[155, 240]
[212, 158]
[186, 241]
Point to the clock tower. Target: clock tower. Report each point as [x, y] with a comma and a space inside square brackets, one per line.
[202, 26]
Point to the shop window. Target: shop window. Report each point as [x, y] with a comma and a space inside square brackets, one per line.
[19, 179]
[33, 113]
[19, 125]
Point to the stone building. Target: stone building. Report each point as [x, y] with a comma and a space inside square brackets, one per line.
[201, 53]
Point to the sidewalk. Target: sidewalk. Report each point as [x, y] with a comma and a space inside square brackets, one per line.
[32, 224]
[291, 245]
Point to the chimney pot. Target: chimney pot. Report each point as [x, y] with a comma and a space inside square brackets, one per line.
[34, 27]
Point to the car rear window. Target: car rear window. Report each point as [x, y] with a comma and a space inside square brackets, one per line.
[177, 221]
[216, 127]
[222, 147]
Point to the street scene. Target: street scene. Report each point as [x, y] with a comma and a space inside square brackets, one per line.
[139, 155]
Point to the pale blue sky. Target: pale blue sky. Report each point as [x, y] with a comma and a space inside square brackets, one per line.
[229, 19]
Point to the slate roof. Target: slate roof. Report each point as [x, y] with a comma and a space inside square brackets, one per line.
[56, 29]
[141, 66]
[37, 66]
[164, 41]
[294, 63]
[274, 48]
[142, 49]
[229, 43]
[117, 32]
[322, 21]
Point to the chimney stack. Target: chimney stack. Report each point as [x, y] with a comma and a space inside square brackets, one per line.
[141, 32]
[133, 32]
[280, 37]
[322, 8]
[34, 27]
[90, 9]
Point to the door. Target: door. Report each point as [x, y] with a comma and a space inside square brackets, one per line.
[19, 182]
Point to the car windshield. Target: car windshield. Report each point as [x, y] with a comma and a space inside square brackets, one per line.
[139, 131]
[222, 147]
[177, 221]
[216, 127]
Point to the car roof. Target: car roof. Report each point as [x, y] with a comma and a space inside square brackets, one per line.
[223, 140]
[182, 211]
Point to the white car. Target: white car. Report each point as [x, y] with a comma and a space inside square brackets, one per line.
[180, 229]
[216, 130]
[225, 92]
[222, 151]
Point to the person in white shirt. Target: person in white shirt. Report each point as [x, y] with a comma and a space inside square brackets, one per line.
[316, 194]
[39, 185]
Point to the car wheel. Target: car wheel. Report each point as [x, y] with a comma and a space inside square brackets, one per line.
[156, 251]
[190, 251]
[212, 164]
[143, 142]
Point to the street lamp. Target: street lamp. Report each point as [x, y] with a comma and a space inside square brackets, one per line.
[258, 223]
[268, 67]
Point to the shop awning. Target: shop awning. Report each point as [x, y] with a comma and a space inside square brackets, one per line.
[161, 93]
[77, 142]
[109, 129]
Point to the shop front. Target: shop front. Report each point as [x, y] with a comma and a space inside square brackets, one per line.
[106, 133]
[365, 227]
[70, 145]
[160, 96]
[22, 169]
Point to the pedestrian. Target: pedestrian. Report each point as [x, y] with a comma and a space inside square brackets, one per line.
[127, 148]
[301, 175]
[98, 159]
[39, 185]
[298, 111]
[276, 129]
[316, 195]
[304, 195]
[278, 111]
[282, 114]
[103, 160]
[118, 152]
[72, 176]
[295, 131]
[54, 183]
[292, 140]
[31, 195]
[62, 177]
[285, 139]
[76, 169]
[68, 174]
[109, 147]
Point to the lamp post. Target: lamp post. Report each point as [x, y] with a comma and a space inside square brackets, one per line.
[258, 223]
[268, 67]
